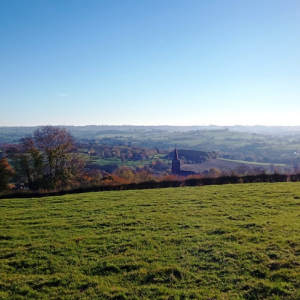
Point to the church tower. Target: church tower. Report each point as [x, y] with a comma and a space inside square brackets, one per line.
[175, 163]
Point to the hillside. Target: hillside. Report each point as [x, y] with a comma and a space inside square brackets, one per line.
[211, 242]
[228, 165]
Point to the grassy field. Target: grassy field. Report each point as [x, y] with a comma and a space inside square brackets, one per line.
[251, 163]
[229, 164]
[211, 242]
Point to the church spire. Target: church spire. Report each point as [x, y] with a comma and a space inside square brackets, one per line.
[175, 154]
[175, 163]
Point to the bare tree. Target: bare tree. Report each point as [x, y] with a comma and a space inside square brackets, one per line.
[49, 159]
[242, 169]
[62, 162]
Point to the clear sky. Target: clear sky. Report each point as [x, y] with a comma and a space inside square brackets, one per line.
[149, 62]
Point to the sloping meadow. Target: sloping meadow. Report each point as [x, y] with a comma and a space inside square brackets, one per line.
[210, 242]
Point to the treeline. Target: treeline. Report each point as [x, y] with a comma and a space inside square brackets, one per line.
[110, 184]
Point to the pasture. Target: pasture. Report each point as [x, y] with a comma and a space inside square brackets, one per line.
[229, 165]
[210, 242]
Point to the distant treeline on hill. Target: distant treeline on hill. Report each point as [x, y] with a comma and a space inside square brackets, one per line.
[193, 156]
[172, 182]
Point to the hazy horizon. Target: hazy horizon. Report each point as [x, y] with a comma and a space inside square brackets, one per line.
[152, 125]
[150, 63]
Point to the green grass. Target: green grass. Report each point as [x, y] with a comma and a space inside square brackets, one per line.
[211, 242]
[251, 162]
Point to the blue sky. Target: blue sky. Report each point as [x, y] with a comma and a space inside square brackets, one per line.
[154, 62]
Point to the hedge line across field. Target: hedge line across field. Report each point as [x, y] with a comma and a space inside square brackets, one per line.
[162, 184]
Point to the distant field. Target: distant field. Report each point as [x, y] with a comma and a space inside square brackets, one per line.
[251, 163]
[227, 164]
[211, 242]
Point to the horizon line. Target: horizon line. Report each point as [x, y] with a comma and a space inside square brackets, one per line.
[166, 125]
